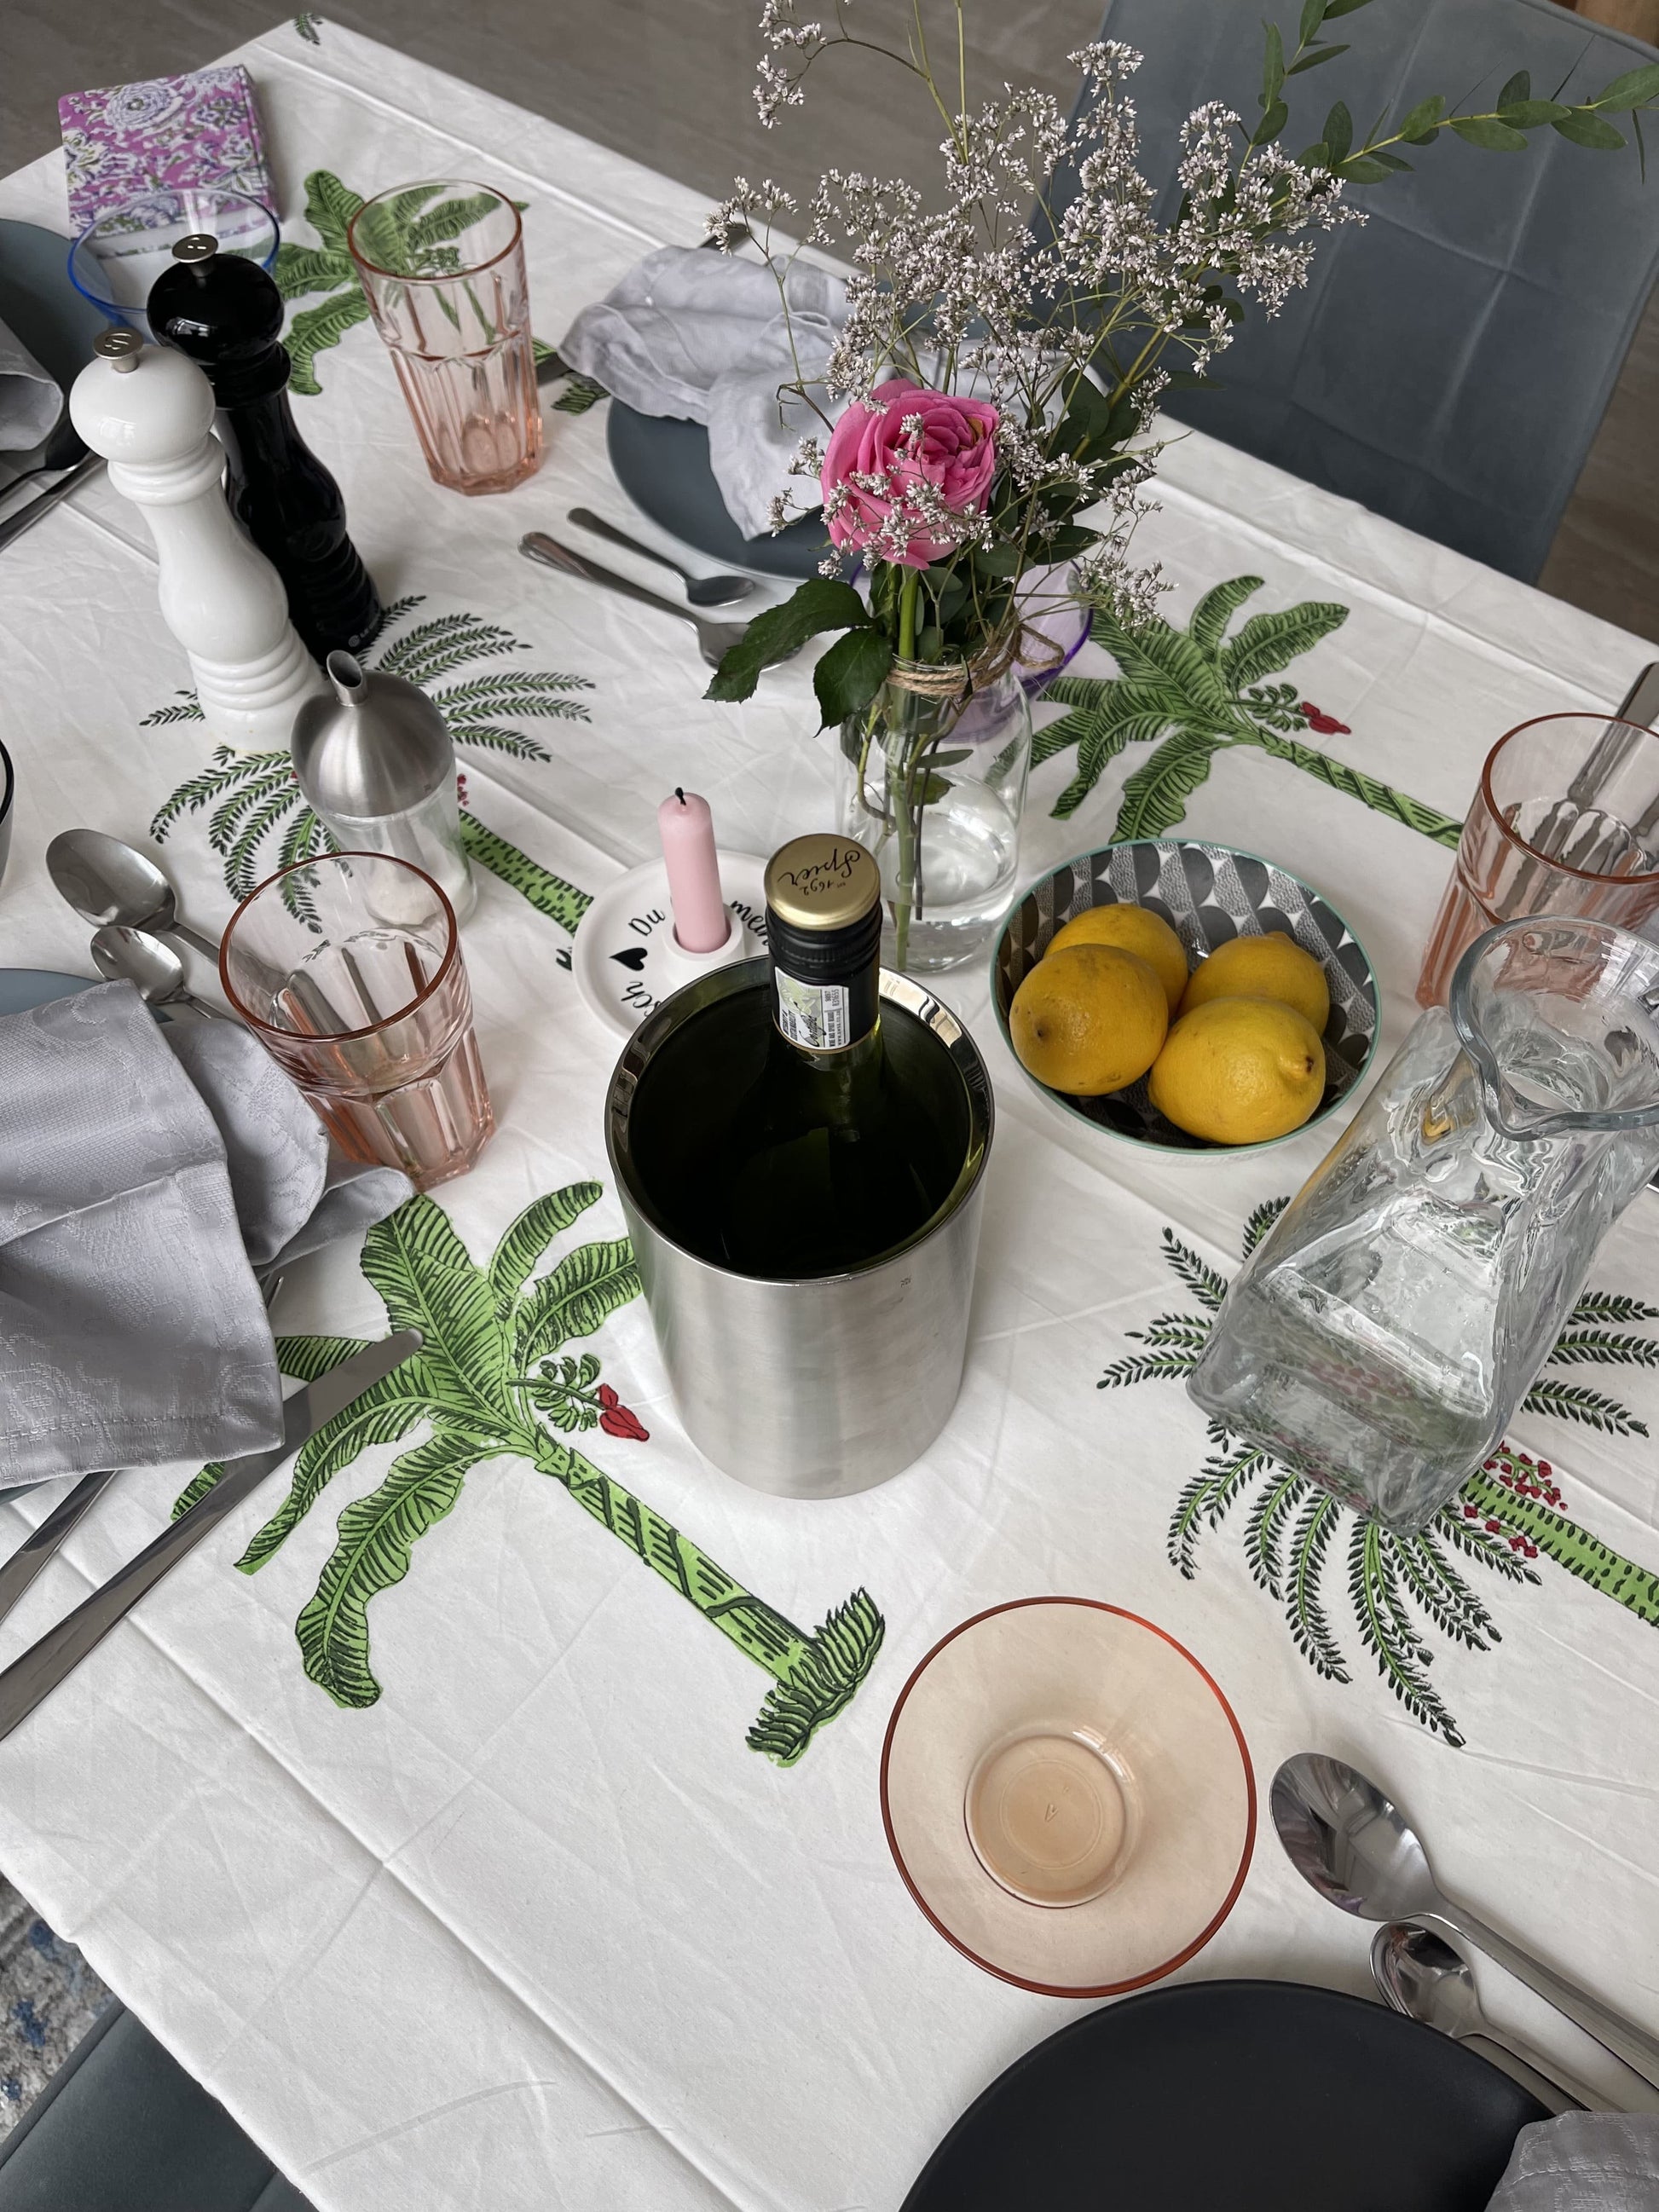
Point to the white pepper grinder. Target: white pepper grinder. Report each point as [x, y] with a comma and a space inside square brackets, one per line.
[149, 412]
[377, 762]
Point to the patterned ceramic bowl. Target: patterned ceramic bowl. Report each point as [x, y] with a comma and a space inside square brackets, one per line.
[1207, 894]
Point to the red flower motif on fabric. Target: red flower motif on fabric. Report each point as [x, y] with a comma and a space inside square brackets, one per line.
[1327, 725]
[616, 1420]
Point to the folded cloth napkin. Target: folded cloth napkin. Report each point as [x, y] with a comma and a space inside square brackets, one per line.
[30, 402]
[703, 336]
[141, 1170]
[1583, 2162]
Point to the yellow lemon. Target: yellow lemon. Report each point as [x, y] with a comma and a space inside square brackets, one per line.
[1133, 929]
[1272, 967]
[1089, 1019]
[1238, 1070]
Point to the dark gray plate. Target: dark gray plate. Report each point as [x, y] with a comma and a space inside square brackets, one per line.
[43, 310]
[662, 463]
[23, 987]
[1207, 894]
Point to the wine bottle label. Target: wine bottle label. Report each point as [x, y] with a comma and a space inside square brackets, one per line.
[815, 1016]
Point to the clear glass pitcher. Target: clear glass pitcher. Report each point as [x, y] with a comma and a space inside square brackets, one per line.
[1382, 1335]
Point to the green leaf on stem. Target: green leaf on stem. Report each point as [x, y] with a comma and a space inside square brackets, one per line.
[1273, 68]
[1486, 130]
[1423, 120]
[1365, 169]
[1528, 114]
[1343, 7]
[1313, 60]
[1586, 130]
[1518, 88]
[1338, 134]
[1634, 89]
[1271, 125]
[1391, 162]
[1313, 14]
[820, 604]
[848, 676]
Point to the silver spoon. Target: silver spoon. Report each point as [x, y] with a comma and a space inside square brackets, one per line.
[701, 591]
[1429, 1981]
[133, 955]
[106, 880]
[1352, 1844]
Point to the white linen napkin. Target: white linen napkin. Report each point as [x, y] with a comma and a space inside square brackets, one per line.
[703, 336]
[136, 1184]
[1583, 2162]
[30, 401]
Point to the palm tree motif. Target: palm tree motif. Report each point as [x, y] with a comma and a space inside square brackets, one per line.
[1198, 691]
[411, 232]
[495, 1380]
[260, 822]
[1399, 1588]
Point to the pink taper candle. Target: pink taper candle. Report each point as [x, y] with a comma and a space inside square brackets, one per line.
[701, 922]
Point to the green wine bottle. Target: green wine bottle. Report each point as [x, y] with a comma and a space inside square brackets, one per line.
[826, 1161]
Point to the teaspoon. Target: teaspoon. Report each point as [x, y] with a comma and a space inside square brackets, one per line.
[701, 591]
[133, 955]
[106, 880]
[1429, 1980]
[1352, 1844]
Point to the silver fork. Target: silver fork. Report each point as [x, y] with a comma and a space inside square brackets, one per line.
[715, 638]
[720, 591]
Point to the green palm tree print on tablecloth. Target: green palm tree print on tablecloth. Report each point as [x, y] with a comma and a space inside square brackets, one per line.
[1198, 692]
[495, 1380]
[259, 820]
[1399, 1588]
[413, 232]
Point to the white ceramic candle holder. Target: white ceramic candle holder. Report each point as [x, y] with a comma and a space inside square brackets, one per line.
[627, 959]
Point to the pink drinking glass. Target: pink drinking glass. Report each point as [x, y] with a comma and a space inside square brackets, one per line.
[441, 265]
[348, 969]
[1565, 820]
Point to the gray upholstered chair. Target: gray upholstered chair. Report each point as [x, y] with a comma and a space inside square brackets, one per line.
[1450, 360]
[120, 2128]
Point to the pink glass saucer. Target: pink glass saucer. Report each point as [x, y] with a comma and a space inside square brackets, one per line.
[1068, 1796]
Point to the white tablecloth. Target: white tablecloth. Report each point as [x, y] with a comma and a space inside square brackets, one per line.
[538, 1928]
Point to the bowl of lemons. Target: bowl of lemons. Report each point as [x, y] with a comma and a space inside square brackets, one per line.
[1184, 996]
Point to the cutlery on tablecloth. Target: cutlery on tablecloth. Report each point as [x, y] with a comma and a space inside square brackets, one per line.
[1352, 1842]
[43, 503]
[1428, 1979]
[106, 880]
[44, 1543]
[717, 591]
[61, 1650]
[715, 638]
[124, 955]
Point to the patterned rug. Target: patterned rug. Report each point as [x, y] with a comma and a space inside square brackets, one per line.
[49, 1997]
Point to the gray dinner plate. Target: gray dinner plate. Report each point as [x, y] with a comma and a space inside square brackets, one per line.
[662, 463]
[23, 987]
[44, 312]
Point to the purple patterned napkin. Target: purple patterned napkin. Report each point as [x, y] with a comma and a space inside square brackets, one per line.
[165, 135]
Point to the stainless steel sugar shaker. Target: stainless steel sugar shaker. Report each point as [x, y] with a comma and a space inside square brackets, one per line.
[377, 762]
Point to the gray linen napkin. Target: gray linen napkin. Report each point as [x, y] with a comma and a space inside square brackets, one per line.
[703, 336]
[141, 1171]
[30, 402]
[1583, 2162]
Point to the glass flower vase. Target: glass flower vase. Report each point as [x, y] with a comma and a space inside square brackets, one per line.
[933, 779]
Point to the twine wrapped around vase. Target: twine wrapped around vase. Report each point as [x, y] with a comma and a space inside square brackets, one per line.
[951, 681]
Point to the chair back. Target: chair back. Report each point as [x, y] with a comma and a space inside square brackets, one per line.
[1450, 359]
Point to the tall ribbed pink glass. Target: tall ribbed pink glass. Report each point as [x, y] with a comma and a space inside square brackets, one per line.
[441, 265]
[348, 971]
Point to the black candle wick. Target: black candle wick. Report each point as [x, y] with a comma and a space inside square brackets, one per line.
[679, 794]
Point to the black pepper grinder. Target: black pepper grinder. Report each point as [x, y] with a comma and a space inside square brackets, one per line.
[226, 312]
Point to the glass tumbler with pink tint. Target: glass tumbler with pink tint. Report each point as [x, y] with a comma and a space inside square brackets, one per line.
[1566, 821]
[348, 969]
[442, 268]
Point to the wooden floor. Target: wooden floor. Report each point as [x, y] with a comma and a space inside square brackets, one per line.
[668, 80]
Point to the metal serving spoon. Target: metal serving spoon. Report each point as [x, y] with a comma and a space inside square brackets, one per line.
[133, 955]
[106, 880]
[1352, 1844]
[1429, 1981]
[701, 591]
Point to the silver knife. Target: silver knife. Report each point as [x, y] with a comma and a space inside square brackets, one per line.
[61, 1650]
[44, 501]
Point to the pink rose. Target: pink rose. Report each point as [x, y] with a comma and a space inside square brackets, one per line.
[884, 484]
